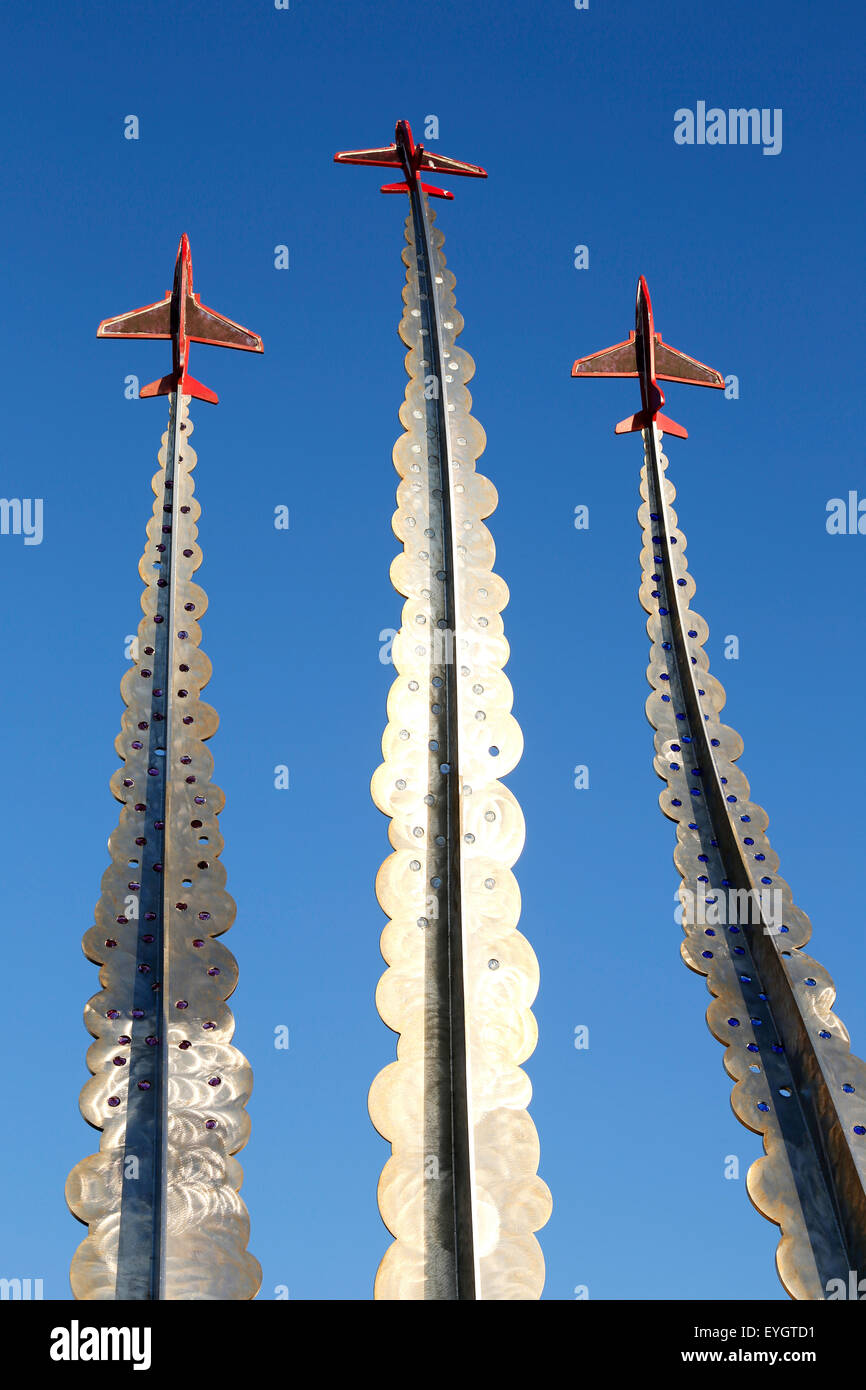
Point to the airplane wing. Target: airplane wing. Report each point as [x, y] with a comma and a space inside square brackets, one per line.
[619, 360]
[204, 325]
[673, 365]
[386, 157]
[152, 321]
[444, 164]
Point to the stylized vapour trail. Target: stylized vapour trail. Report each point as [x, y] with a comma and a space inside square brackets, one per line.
[460, 1192]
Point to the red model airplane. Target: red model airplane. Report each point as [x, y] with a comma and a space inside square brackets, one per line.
[644, 355]
[184, 319]
[406, 155]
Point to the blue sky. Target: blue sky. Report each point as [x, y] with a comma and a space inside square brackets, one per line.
[753, 262]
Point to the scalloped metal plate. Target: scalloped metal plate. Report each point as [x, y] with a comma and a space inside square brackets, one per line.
[207, 1080]
[509, 1200]
[715, 945]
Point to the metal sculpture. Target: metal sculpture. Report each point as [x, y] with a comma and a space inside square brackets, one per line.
[168, 1090]
[460, 1192]
[797, 1083]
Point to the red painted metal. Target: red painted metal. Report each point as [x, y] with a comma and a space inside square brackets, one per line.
[181, 317]
[412, 159]
[644, 355]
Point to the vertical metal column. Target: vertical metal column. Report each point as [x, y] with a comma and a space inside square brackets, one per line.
[448, 1201]
[460, 1192]
[140, 1266]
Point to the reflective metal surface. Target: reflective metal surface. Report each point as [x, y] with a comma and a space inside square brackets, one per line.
[797, 1083]
[460, 1192]
[168, 1090]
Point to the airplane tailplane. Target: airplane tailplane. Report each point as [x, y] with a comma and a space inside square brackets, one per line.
[437, 192]
[163, 387]
[427, 187]
[191, 387]
[188, 387]
[669, 426]
[645, 418]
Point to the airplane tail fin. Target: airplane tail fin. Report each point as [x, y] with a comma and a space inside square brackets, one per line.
[188, 387]
[645, 418]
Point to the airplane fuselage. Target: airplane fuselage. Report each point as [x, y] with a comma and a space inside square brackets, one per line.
[410, 153]
[652, 396]
[181, 288]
